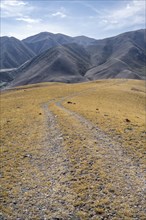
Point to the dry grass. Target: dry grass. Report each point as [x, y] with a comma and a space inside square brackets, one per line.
[108, 104]
[22, 131]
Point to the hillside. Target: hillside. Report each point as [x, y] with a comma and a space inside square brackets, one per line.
[73, 151]
[122, 56]
[6, 76]
[13, 52]
[66, 63]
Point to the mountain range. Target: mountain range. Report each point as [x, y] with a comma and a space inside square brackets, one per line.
[48, 57]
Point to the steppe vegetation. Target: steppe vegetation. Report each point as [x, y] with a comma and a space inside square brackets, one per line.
[73, 151]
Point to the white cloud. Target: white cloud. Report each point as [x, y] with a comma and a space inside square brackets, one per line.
[131, 14]
[29, 20]
[14, 8]
[6, 3]
[18, 10]
[59, 14]
[126, 16]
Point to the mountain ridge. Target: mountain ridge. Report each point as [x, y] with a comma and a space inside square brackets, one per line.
[121, 56]
[47, 40]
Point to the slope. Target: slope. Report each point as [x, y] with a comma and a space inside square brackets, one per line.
[123, 56]
[61, 64]
[13, 52]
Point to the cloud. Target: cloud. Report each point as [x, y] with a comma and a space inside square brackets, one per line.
[113, 19]
[131, 14]
[14, 8]
[109, 21]
[29, 20]
[59, 14]
[6, 3]
[18, 10]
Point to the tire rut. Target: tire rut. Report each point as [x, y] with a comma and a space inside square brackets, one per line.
[125, 176]
[60, 194]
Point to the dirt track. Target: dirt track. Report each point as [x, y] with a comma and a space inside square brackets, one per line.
[121, 181]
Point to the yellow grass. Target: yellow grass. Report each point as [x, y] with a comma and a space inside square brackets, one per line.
[106, 103]
[108, 106]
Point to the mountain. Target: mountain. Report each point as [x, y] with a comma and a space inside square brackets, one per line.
[13, 52]
[122, 56]
[66, 63]
[84, 41]
[45, 40]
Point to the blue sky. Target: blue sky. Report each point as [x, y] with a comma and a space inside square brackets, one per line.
[97, 19]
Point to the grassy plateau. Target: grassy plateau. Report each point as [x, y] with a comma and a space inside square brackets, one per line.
[73, 151]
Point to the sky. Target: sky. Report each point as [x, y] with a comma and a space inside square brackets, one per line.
[97, 19]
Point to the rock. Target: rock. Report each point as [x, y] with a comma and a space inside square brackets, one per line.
[127, 120]
[1, 217]
[91, 163]
[25, 189]
[27, 155]
[15, 203]
[74, 217]
[128, 129]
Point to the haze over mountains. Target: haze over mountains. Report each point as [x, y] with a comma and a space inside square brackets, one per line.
[56, 57]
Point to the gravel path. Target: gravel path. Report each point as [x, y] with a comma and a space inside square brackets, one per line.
[60, 196]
